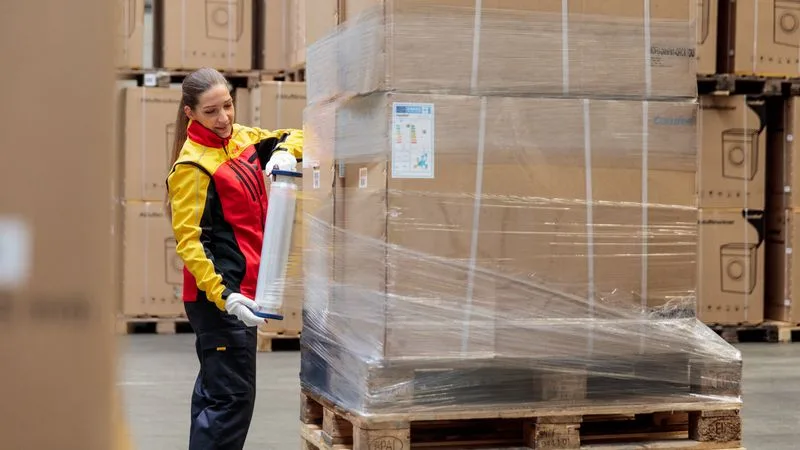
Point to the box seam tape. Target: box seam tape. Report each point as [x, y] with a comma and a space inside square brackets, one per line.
[648, 69]
[476, 45]
[473, 251]
[587, 148]
[645, 219]
[565, 46]
[645, 200]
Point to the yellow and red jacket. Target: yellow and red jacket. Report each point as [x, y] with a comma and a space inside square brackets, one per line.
[219, 206]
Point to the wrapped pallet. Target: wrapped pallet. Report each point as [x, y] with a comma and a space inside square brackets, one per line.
[495, 251]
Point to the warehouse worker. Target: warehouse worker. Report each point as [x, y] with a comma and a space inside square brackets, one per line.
[218, 206]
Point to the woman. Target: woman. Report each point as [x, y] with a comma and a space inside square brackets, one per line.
[218, 204]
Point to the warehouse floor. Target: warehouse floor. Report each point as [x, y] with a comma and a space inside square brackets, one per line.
[158, 373]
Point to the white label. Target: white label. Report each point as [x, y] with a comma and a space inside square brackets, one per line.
[315, 179]
[788, 250]
[341, 169]
[15, 252]
[789, 138]
[362, 178]
[787, 189]
[413, 152]
[787, 302]
[150, 80]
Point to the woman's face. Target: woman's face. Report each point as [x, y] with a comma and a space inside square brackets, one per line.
[214, 111]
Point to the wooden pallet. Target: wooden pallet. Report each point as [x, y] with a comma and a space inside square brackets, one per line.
[770, 331]
[163, 77]
[153, 325]
[727, 84]
[656, 423]
[268, 339]
[297, 74]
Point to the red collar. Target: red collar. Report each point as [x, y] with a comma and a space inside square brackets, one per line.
[203, 136]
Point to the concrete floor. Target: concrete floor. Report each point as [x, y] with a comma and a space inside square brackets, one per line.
[158, 373]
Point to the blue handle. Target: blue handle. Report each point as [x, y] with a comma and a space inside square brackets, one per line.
[286, 173]
[268, 315]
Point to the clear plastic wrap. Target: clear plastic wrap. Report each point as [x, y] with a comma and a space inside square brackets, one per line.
[632, 48]
[502, 252]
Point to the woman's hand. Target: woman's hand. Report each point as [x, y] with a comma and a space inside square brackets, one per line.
[242, 307]
[283, 160]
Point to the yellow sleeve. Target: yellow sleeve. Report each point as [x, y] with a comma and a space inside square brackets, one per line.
[268, 142]
[189, 190]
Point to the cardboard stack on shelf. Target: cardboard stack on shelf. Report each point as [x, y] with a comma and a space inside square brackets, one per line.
[152, 274]
[732, 201]
[746, 167]
[504, 222]
[783, 208]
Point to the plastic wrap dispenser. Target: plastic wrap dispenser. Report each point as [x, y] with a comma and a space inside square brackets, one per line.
[277, 243]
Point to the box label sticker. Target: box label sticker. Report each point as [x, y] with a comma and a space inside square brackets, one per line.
[362, 178]
[315, 180]
[413, 152]
[15, 252]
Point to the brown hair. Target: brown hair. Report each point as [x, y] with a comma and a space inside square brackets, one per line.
[194, 85]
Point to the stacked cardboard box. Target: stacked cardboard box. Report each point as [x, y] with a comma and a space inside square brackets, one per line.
[152, 274]
[191, 34]
[748, 37]
[130, 33]
[706, 18]
[56, 274]
[762, 37]
[732, 203]
[284, 34]
[783, 224]
[480, 235]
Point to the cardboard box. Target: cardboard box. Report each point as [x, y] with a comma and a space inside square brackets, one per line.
[297, 33]
[192, 34]
[129, 15]
[534, 227]
[522, 50]
[56, 274]
[731, 266]
[782, 267]
[706, 14]
[327, 15]
[153, 272]
[279, 105]
[150, 115]
[275, 51]
[783, 178]
[732, 153]
[766, 38]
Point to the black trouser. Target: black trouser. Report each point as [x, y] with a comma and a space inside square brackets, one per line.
[225, 391]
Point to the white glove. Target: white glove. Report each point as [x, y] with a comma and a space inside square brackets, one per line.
[242, 307]
[283, 159]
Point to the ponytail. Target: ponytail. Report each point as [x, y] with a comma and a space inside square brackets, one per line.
[181, 124]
